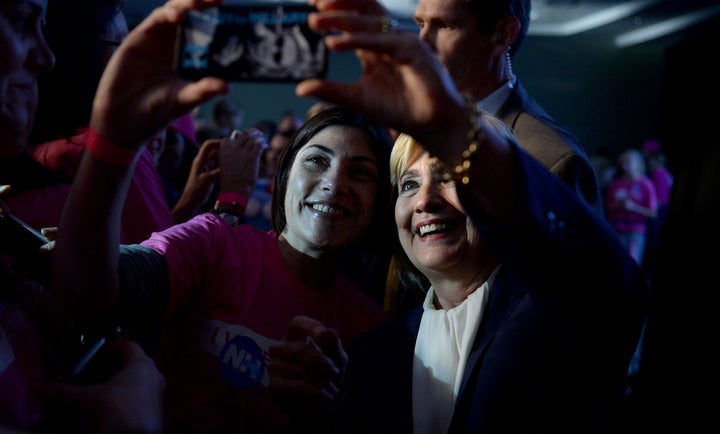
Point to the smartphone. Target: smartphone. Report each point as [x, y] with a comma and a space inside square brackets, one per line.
[17, 238]
[97, 363]
[251, 42]
[79, 372]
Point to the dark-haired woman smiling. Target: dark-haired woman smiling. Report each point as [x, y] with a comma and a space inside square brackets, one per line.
[227, 292]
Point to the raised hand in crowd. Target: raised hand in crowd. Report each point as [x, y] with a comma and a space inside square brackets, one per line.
[141, 85]
[204, 172]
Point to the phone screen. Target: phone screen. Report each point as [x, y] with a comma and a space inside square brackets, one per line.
[256, 42]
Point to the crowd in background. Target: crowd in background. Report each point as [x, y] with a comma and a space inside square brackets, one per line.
[426, 250]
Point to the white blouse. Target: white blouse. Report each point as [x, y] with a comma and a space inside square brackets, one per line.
[441, 350]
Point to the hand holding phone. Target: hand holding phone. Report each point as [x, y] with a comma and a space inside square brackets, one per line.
[256, 42]
[80, 372]
[17, 238]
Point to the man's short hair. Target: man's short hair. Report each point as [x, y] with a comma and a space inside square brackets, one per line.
[489, 12]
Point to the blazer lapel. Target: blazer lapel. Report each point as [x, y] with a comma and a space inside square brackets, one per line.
[505, 295]
[511, 109]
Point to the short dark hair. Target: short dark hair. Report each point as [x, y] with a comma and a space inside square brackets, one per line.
[490, 12]
[379, 143]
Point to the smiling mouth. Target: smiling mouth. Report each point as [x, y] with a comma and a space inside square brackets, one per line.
[326, 209]
[432, 228]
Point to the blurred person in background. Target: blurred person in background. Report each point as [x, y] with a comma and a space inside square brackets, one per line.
[631, 202]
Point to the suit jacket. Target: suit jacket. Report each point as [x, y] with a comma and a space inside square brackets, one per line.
[555, 147]
[555, 339]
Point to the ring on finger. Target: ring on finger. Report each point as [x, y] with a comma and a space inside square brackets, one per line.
[387, 24]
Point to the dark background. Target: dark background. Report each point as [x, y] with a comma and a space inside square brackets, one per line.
[610, 97]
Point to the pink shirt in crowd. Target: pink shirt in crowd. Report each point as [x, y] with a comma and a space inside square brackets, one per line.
[145, 210]
[640, 191]
[663, 181]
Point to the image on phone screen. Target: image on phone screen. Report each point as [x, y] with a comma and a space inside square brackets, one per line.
[254, 42]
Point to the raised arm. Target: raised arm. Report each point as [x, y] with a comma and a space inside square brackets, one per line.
[527, 213]
[138, 94]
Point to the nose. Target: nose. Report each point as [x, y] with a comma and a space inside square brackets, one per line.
[335, 179]
[429, 197]
[427, 35]
[40, 58]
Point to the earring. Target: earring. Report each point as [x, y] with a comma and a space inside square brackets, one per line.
[508, 63]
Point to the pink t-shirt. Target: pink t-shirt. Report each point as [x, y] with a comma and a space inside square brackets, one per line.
[231, 296]
[145, 209]
[663, 181]
[640, 191]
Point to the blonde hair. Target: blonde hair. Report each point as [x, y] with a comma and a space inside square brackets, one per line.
[403, 279]
[404, 148]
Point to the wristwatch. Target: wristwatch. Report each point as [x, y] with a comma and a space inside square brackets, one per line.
[233, 218]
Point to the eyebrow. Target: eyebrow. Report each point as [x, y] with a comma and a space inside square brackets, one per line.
[354, 158]
[409, 173]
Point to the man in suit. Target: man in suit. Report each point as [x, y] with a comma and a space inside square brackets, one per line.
[475, 41]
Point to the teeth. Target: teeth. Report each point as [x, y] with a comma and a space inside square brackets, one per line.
[433, 227]
[326, 209]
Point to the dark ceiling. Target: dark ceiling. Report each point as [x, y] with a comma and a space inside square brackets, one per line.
[594, 65]
[562, 18]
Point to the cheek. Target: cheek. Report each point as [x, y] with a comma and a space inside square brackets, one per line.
[403, 217]
[444, 51]
[403, 221]
[17, 110]
[451, 197]
[294, 191]
[398, 215]
[11, 53]
[449, 44]
[290, 194]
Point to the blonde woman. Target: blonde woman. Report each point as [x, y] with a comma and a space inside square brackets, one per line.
[547, 335]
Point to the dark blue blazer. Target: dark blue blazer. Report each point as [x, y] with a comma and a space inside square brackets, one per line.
[554, 342]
